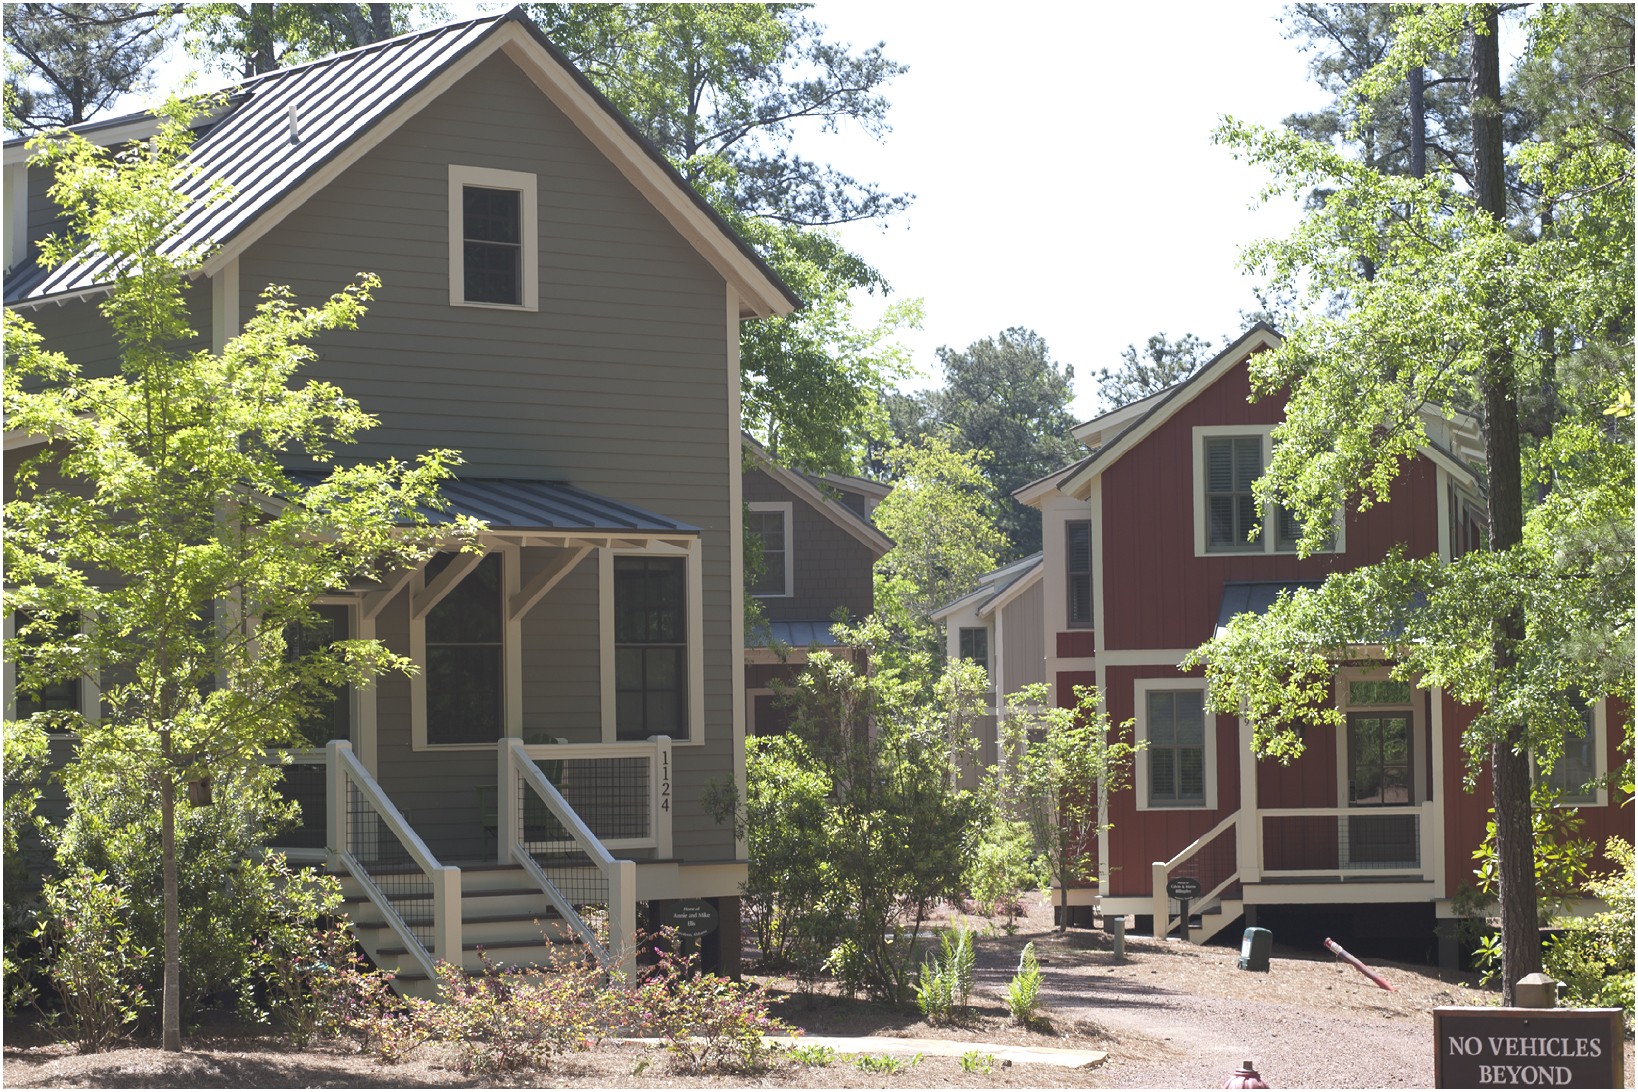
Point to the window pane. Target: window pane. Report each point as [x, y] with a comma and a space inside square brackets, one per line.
[1378, 692]
[650, 654]
[493, 216]
[470, 613]
[1078, 570]
[1219, 466]
[1191, 766]
[1189, 713]
[769, 527]
[463, 694]
[1162, 728]
[1248, 461]
[492, 253]
[1162, 774]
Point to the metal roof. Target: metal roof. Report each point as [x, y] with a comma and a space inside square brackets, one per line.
[525, 504]
[1253, 597]
[799, 634]
[329, 104]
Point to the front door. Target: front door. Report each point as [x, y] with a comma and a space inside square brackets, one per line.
[1380, 776]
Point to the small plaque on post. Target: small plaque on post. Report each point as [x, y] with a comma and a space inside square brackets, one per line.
[692, 918]
[1183, 888]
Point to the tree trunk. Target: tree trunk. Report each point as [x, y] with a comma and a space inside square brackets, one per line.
[1418, 125]
[1509, 762]
[171, 1005]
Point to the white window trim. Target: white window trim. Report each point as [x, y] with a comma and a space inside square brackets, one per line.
[1417, 707]
[1268, 539]
[696, 635]
[511, 660]
[1140, 774]
[785, 508]
[90, 684]
[490, 178]
[1599, 737]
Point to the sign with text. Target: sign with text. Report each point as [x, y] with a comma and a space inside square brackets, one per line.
[1183, 888]
[692, 918]
[1526, 1048]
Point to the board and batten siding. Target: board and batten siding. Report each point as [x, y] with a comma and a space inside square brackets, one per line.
[1023, 629]
[831, 568]
[618, 384]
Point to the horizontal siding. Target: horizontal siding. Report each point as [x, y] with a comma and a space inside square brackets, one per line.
[832, 568]
[562, 688]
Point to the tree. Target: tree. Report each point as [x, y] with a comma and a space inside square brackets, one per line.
[1163, 363]
[1056, 767]
[74, 60]
[1006, 396]
[250, 39]
[161, 509]
[940, 519]
[1419, 293]
[722, 90]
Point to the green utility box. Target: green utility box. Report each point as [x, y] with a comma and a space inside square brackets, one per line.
[1254, 949]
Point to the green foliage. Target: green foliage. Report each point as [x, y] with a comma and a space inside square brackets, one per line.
[1594, 956]
[942, 523]
[1054, 763]
[1005, 396]
[855, 818]
[946, 980]
[1024, 991]
[74, 60]
[231, 895]
[1003, 863]
[94, 961]
[885, 1063]
[813, 1055]
[975, 1061]
[1163, 363]
[249, 39]
[26, 759]
[708, 1024]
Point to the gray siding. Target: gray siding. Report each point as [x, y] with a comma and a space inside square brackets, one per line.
[618, 384]
[831, 568]
[1024, 630]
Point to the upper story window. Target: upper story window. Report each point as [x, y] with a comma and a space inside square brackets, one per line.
[771, 523]
[493, 255]
[1574, 773]
[650, 647]
[1078, 572]
[465, 699]
[1227, 461]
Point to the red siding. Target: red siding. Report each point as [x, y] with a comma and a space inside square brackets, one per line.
[1068, 681]
[1310, 781]
[1139, 838]
[1157, 594]
[1074, 643]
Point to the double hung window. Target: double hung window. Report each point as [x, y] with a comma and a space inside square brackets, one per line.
[650, 647]
[1176, 732]
[771, 524]
[1228, 461]
[493, 253]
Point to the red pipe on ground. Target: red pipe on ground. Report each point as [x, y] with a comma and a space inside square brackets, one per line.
[1342, 953]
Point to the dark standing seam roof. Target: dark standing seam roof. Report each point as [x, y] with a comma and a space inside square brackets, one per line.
[799, 634]
[525, 504]
[337, 100]
[1254, 597]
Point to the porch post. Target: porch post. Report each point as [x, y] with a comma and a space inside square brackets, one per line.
[623, 918]
[1161, 903]
[660, 801]
[335, 802]
[1248, 832]
[506, 802]
[446, 913]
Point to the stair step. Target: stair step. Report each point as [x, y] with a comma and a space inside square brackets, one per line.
[487, 946]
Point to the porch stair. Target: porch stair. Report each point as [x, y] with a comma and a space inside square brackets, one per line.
[504, 915]
[1214, 919]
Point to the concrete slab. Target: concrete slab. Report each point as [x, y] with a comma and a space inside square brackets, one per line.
[1064, 1057]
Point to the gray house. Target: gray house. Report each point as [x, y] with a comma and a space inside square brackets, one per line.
[819, 550]
[558, 305]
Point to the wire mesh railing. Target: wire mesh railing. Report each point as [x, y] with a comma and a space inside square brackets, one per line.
[1321, 842]
[593, 893]
[417, 898]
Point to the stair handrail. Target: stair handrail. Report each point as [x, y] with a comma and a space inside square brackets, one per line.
[620, 875]
[445, 879]
[1160, 872]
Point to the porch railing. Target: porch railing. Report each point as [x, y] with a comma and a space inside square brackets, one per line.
[555, 846]
[418, 898]
[1212, 859]
[304, 778]
[1342, 843]
[621, 791]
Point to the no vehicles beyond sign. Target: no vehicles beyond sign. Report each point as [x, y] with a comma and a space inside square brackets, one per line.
[1527, 1048]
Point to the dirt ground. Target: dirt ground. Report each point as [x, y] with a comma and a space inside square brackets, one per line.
[1169, 1015]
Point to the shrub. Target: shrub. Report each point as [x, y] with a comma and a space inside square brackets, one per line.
[946, 981]
[24, 768]
[977, 1062]
[709, 1024]
[92, 960]
[1003, 865]
[813, 1055]
[1024, 991]
[1594, 957]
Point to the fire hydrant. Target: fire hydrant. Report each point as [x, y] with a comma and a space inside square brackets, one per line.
[1245, 1077]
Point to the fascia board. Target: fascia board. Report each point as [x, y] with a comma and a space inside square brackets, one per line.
[1259, 337]
[836, 513]
[1013, 591]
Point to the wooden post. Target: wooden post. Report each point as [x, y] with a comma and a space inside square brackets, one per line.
[661, 804]
[446, 914]
[335, 801]
[507, 822]
[1162, 902]
[623, 918]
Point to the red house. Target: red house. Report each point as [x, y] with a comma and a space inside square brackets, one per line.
[1146, 554]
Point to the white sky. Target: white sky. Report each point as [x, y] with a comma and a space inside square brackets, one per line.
[1064, 176]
